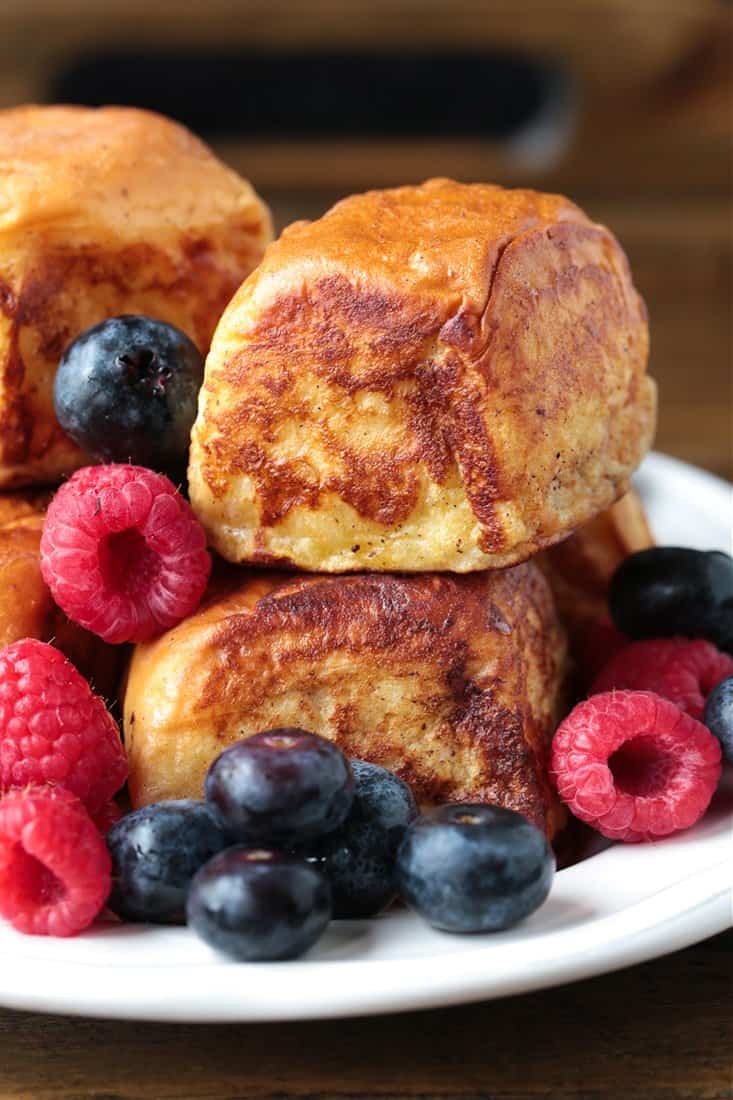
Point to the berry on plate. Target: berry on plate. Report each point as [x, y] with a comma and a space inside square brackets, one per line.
[474, 867]
[718, 716]
[122, 552]
[257, 905]
[53, 728]
[634, 766]
[283, 786]
[54, 865]
[108, 816]
[670, 590]
[683, 670]
[359, 857]
[126, 390]
[382, 797]
[358, 860]
[155, 852]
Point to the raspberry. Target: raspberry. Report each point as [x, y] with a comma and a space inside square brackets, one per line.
[680, 669]
[55, 870]
[53, 729]
[594, 647]
[634, 766]
[122, 552]
[108, 816]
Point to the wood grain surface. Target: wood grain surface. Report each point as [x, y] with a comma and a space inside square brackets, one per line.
[661, 1031]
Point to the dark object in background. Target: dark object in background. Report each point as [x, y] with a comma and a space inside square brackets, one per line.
[218, 93]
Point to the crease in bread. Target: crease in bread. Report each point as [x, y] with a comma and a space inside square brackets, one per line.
[455, 683]
[443, 377]
[104, 212]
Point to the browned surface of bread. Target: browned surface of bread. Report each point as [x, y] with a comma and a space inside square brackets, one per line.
[104, 212]
[26, 607]
[453, 682]
[442, 377]
[579, 570]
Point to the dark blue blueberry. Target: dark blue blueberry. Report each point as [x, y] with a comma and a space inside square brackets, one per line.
[155, 852]
[474, 868]
[718, 715]
[383, 798]
[282, 787]
[670, 590]
[258, 904]
[359, 861]
[126, 390]
[359, 857]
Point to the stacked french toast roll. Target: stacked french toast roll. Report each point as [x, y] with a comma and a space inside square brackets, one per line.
[411, 459]
[406, 406]
[102, 212]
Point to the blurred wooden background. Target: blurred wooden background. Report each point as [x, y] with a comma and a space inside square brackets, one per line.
[643, 143]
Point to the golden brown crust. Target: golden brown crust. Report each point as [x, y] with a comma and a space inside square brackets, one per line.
[104, 212]
[453, 682]
[579, 570]
[26, 607]
[434, 377]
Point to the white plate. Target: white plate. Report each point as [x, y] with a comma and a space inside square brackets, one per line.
[620, 907]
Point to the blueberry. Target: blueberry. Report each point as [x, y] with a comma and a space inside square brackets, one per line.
[282, 787]
[718, 715]
[155, 852]
[259, 904]
[383, 798]
[126, 390]
[669, 590]
[359, 861]
[474, 868]
[359, 857]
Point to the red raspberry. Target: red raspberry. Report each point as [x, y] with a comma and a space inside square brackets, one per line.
[53, 728]
[634, 766]
[55, 870]
[680, 669]
[594, 647]
[108, 816]
[122, 552]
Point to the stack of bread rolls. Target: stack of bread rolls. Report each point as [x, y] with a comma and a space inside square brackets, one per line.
[407, 404]
[406, 401]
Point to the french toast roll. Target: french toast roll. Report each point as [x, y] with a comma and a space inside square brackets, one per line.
[438, 377]
[580, 568]
[455, 683]
[104, 212]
